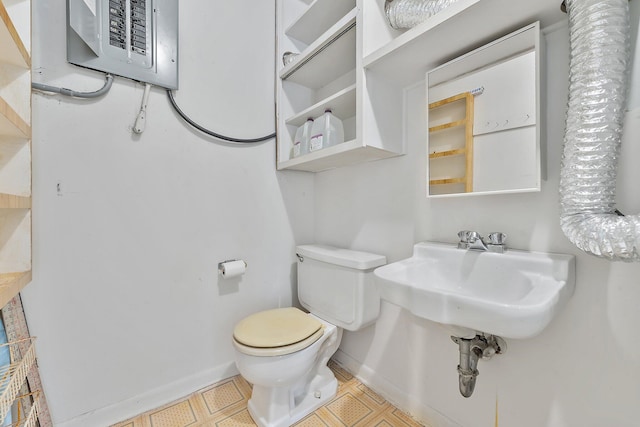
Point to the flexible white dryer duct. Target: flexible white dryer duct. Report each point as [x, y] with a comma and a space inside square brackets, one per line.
[599, 56]
[409, 13]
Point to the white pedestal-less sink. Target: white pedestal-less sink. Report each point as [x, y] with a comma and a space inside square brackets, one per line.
[514, 294]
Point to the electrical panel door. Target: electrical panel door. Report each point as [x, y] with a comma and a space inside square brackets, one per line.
[137, 39]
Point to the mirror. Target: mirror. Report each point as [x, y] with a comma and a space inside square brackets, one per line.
[484, 119]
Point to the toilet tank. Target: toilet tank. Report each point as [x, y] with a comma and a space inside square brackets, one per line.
[337, 285]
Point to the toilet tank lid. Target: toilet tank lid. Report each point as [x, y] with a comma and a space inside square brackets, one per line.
[343, 257]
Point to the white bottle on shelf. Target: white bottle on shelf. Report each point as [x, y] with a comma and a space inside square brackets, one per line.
[301, 141]
[327, 131]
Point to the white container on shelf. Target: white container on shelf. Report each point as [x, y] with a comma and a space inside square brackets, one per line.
[301, 141]
[327, 130]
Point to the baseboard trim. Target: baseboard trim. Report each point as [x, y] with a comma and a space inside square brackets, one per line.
[155, 398]
[392, 393]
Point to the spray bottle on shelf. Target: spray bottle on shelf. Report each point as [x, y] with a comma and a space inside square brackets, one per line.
[327, 130]
[301, 140]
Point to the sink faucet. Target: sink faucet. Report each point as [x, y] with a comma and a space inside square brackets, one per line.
[472, 240]
[475, 242]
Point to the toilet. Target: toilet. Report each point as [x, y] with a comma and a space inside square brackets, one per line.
[284, 352]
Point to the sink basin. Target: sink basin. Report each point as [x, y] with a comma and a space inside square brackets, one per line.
[515, 294]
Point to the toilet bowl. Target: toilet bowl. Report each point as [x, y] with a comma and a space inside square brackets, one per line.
[284, 352]
[289, 381]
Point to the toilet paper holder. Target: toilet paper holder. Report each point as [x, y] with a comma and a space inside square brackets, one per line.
[222, 264]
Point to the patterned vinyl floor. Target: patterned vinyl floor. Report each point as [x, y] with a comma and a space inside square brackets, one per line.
[224, 404]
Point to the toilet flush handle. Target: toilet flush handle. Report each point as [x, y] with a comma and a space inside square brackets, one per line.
[300, 257]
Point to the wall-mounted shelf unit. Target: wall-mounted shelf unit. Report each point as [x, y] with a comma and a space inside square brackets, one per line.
[11, 124]
[343, 104]
[327, 58]
[348, 53]
[12, 49]
[11, 284]
[404, 57]
[318, 18]
[15, 148]
[455, 112]
[327, 73]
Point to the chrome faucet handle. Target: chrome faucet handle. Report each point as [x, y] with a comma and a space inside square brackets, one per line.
[464, 239]
[497, 242]
[473, 236]
[464, 236]
[497, 238]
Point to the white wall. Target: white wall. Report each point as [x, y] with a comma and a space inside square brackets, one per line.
[583, 370]
[126, 301]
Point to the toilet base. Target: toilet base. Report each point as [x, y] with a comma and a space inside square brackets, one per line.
[284, 406]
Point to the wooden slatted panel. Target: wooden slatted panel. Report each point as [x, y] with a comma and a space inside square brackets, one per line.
[447, 181]
[11, 123]
[12, 49]
[467, 151]
[450, 125]
[9, 201]
[448, 153]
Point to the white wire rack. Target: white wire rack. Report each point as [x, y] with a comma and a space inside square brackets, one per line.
[13, 376]
[26, 410]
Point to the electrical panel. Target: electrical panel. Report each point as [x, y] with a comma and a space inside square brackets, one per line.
[137, 39]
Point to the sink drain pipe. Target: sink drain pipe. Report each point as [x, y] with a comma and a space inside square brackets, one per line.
[598, 74]
[471, 351]
[467, 369]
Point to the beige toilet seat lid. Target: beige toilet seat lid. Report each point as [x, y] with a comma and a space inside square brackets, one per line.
[278, 351]
[276, 328]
